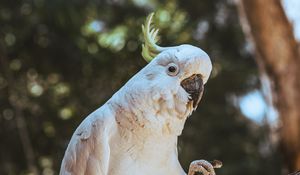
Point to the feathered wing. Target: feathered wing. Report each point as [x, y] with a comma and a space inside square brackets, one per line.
[88, 151]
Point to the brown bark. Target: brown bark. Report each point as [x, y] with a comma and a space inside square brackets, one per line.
[278, 58]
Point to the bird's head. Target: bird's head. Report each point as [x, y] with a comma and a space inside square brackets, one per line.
[168, 89]
[179, 72]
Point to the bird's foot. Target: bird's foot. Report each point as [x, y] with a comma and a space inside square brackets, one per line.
[203, 167]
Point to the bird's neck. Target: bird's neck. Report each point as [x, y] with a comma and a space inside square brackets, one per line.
[137, 114]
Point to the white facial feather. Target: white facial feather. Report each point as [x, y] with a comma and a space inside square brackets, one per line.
[158, 96]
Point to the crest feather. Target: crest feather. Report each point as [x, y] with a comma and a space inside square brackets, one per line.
[150, 49]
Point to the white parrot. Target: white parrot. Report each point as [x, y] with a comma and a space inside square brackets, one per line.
[135, 132]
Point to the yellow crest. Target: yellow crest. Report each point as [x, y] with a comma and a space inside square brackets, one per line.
[150, 49]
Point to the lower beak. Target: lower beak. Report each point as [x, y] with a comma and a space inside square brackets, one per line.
[194, 86]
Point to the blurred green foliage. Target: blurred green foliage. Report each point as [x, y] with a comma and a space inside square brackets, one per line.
[63, 59]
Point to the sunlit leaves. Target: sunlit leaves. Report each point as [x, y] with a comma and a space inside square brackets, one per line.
[10, 39]
[8, 114]
[65, 113]
[92, 27]
[35, 89]
[26, 9]
[61, 89]
[49, 129]
[34, 85]
[53, 78]
[15, 64]
[92, 48]
[201, 30]
[114, 39]
[145, 3]
[46, 163]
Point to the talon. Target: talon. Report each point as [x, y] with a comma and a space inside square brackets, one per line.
[203, 167]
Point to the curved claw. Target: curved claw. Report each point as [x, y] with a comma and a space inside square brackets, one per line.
[204, 167]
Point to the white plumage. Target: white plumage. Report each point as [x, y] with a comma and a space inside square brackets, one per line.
[135, 132]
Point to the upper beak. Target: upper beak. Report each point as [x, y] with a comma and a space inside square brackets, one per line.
[194, 86]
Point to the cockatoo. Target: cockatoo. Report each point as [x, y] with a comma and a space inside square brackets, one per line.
[135, 132]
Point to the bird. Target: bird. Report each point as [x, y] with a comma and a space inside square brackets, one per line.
[136, 131]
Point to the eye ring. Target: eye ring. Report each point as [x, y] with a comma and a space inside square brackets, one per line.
[172, 69]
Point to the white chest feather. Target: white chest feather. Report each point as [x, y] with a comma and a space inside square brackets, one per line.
[135, 154]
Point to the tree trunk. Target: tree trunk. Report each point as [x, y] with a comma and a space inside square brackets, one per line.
[265, 22]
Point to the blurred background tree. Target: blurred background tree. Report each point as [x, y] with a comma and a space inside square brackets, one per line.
[60, 60]
[278, 57]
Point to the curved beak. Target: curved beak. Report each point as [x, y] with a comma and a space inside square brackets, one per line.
[194, 86]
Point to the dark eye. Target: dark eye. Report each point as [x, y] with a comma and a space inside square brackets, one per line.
[172, 69]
